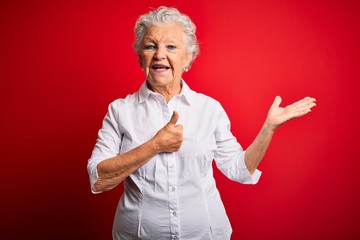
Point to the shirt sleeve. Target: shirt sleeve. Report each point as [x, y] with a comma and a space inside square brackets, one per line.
[108, 143]
[230, 156]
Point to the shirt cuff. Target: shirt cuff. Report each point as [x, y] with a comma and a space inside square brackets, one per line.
[93, 174]
[247, 177]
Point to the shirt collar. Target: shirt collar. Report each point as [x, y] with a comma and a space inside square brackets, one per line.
[185, 93]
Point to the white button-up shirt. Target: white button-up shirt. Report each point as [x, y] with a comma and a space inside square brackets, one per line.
[174, 195]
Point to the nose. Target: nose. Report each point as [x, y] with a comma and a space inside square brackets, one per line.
[160, 53]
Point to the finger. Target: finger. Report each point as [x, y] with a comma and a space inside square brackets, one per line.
[305, 102]
[305, 107]
[174, 118]
[180, 128]
[301, 113]
[277, 101]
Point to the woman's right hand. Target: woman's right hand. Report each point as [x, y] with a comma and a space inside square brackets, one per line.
[170, 137]
[114, 170]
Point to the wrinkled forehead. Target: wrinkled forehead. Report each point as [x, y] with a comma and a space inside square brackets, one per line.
[164, 32]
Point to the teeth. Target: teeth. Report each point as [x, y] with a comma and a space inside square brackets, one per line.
[159, 67]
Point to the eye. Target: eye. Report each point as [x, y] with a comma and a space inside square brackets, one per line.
[149, 47]
[171, 47]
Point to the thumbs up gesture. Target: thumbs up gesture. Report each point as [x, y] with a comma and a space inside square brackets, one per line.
[170, 137]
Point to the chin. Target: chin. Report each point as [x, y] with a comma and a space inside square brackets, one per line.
[161, 82]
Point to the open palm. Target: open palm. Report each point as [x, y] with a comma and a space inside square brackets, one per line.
[278, 115]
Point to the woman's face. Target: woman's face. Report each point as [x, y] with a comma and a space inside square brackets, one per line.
[163, 55]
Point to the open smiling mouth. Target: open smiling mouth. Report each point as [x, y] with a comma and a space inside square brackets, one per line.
[159, 67]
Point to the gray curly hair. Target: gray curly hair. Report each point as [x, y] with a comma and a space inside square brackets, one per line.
[166, 15]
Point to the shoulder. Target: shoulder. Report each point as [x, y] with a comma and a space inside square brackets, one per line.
[206, 106]
[122, 103]
[202, 100]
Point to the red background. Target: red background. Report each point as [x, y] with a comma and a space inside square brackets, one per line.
[63, 62]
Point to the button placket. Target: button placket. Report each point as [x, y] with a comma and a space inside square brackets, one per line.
[172, 183]
[173, 197]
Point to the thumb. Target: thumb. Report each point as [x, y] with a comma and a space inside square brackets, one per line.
[277, 101]
[174, 118]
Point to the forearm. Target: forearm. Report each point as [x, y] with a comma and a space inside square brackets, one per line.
[114, 170]
[256, 151]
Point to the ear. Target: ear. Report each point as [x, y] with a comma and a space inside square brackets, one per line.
[189, 59]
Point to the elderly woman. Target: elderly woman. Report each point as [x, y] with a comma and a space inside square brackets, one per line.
[161, 141]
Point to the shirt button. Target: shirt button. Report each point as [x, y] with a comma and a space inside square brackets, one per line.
[172, 189]
[175, 236]
[172, 166]
[174, 213]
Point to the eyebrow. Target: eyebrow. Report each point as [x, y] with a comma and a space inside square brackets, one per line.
[171, 40]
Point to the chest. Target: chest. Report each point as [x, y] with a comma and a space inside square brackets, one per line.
[139, 124]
